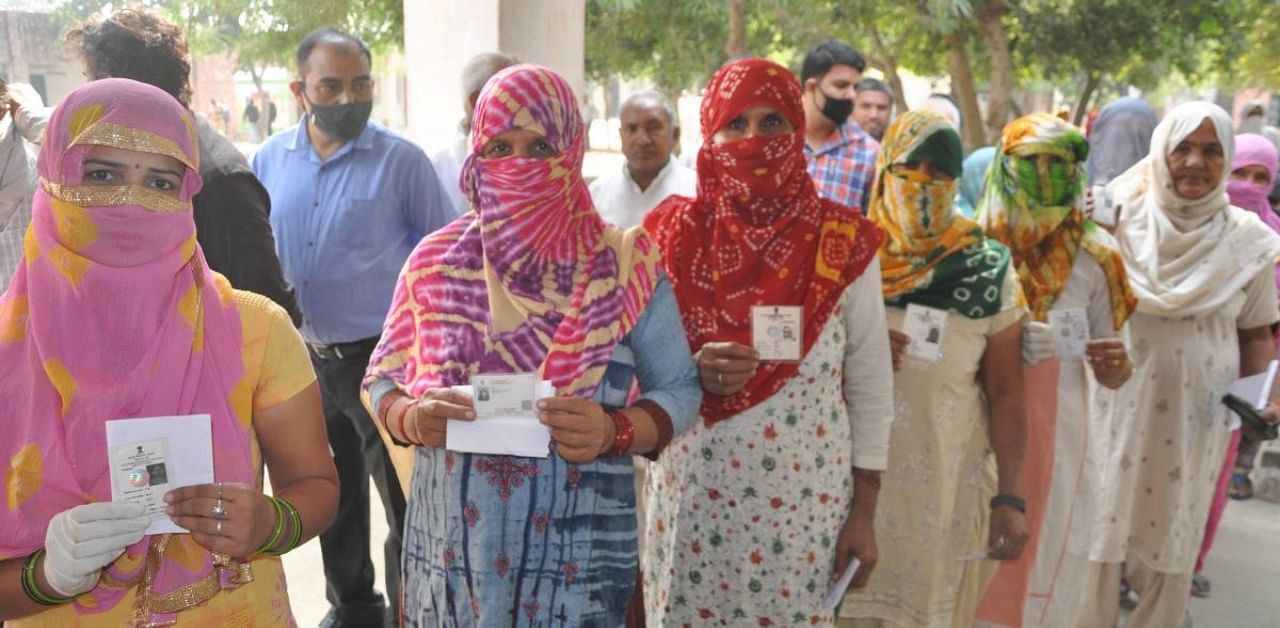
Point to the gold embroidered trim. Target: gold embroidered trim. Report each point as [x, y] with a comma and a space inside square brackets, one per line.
[188, 596]
[194, 594]
[116, 136]
[115, 196]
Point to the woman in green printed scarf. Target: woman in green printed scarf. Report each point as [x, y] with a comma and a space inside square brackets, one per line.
[1034, 204]
[957, 316]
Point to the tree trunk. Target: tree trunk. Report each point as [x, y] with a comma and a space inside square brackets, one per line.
[895, 83]
[736, 47]
[962, 86]
[1091, 83]
[996, 40]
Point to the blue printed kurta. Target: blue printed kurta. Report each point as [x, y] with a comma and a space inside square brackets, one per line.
[504, 540]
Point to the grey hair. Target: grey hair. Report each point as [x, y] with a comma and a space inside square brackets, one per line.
[480, 68]
[656, 98]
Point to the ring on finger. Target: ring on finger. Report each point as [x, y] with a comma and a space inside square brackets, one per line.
[218, 511]
[217, 531]
[720, 377]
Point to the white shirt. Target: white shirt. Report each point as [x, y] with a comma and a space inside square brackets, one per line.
[17, 184]
[447, 162]
[621, 202]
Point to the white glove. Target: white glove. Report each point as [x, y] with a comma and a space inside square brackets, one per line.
[83, 540]
[1038, 343]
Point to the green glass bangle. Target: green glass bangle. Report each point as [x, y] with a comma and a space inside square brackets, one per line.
[295, 535]
[297, 527]
[31, 586]
[275, 534]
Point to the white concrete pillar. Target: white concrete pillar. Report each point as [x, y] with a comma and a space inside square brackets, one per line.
[441, 35]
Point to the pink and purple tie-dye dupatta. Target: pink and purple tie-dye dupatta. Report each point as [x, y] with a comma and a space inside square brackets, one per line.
[531, 279]
[113, 314]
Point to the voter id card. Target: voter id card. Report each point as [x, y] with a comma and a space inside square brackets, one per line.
[1071, 331]
[504, 394]
[777, 332]
[926, 326]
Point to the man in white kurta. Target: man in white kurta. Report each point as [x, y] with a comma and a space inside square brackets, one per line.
[650, 130]
[24, 119]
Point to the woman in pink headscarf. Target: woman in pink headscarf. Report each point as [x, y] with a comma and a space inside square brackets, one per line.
[114, 314]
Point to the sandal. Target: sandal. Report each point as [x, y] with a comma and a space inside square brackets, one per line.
[1241, 487]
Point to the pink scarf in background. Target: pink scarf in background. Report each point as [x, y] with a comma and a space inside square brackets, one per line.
[114, 314]
[1256, 150]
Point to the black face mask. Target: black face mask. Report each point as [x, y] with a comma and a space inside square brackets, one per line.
[341, 122]
[837, 110]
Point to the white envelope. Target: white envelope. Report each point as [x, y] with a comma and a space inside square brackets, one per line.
[837, 590]
[520, 435]
[187, 443]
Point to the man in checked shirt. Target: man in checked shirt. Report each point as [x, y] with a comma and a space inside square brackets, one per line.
[841, 156]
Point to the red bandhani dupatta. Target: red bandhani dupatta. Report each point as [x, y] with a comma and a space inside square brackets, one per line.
[757, 234]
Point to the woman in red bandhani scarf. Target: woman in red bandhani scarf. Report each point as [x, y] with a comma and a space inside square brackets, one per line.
[761, 505]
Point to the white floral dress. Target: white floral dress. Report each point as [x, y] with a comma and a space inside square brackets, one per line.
[744, 515]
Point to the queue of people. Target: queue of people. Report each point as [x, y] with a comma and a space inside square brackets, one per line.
[877, 382]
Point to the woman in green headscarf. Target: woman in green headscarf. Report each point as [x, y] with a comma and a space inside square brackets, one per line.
[1034, 204]
[937, 519]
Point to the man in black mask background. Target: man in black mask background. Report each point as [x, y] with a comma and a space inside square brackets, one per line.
[351, 200]
[841, 156]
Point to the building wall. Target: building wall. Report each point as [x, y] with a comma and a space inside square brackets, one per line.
[32, 51]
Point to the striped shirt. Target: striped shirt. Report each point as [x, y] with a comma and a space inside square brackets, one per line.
[845, 167]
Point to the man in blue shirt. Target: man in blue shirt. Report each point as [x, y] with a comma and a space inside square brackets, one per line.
[351, 200]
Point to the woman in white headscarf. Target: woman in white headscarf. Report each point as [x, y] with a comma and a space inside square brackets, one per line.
[1204, 275]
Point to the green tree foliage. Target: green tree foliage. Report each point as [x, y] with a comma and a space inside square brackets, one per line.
[263, 32]
[1081, 43]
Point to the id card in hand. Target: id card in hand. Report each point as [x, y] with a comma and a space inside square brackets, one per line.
[926, 326]
[140, 474]
[505, 394]
[777, 332]
[1071, 330]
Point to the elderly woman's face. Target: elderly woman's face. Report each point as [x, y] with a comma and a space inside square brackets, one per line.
[1196, 163]
[518, 143]
[761, 120]
[110, 166]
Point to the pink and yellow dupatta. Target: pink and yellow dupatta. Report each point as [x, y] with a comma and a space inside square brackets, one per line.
[114, 314]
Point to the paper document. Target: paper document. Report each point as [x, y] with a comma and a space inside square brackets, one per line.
[777, 332]
[836, 592]
[1255, 389]
[150, 457]
[1071, 331]
[927, 327]
[520, 434]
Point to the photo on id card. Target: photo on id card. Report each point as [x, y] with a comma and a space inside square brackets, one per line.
[140, 474]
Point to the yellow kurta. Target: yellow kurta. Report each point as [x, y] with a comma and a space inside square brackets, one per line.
[276, 367]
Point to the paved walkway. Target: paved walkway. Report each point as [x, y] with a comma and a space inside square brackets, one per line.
[1244, 568]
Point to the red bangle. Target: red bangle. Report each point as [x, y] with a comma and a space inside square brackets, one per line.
[623, 434]
[386, 424]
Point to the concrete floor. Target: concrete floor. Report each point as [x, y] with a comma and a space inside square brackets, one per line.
[1244, 568]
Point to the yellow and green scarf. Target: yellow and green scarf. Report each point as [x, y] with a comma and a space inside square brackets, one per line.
[932, 255]
[1033, 203]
